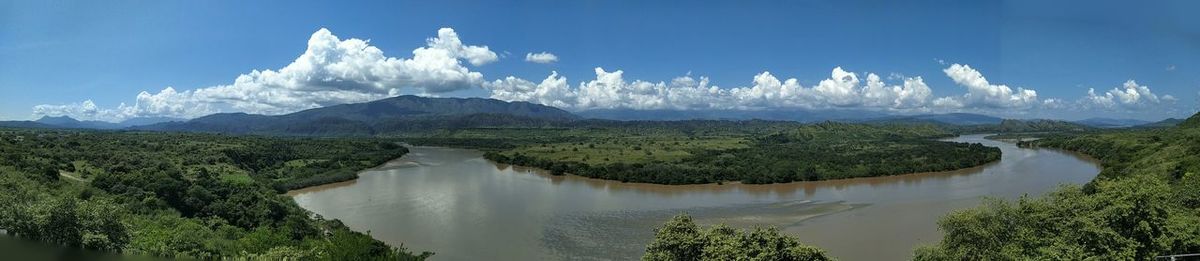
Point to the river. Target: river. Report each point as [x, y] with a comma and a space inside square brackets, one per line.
[463, 207]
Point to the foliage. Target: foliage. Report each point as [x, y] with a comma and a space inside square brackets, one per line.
[681, 239]
[182, 195]
[1143, 204]
[691, 152]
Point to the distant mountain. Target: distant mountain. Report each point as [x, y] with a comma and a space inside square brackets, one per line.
[147, 121]
[774, 115]
[387, 116]
[25, 124]
[1034, 125]
[72, 123]
[1111, 123]
[948, 118]
[854, 116]
[1167, 123]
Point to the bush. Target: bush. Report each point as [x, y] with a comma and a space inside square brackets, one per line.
[681, 239]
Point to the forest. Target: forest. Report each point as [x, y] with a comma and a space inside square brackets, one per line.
[202, 196]
[1145, 203]
[692, 152]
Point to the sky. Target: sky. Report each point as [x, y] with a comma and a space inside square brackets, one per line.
[117, 60]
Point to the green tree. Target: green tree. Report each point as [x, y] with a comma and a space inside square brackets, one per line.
[681, 239]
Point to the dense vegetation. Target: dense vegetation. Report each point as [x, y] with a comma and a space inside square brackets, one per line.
[182, 195]
[681, 239]
[690, 152]
[1145, 203]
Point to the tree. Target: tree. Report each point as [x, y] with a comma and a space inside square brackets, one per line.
[681, 239]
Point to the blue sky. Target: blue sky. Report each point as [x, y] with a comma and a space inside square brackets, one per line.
[55, 55]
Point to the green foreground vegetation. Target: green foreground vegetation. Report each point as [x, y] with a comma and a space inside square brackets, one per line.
[681, 239]
[183, 195]
[691, 152]
[1145, 203]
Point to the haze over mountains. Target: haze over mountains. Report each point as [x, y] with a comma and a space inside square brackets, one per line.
[391, 115]
[413, 113]
[68, 122]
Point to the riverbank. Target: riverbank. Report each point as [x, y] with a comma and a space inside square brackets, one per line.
[459, 196]
[811, 163]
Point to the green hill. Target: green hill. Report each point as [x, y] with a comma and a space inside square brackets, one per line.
[1191, 122]
[1143, 204]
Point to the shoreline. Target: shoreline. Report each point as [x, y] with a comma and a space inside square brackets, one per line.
[357, 175]
[730, 184]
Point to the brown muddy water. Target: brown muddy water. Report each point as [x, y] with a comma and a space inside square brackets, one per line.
[455, 203]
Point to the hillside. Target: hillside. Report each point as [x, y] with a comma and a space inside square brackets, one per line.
[25, 124]
[1021, 126]
[1171, 122]
[1143, 204]
[1191, 122]
[948, 118]
[187, 196]
[387, 116]
[1111, 123]
[67, 122]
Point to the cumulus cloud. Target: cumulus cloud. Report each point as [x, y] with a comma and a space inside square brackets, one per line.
[982, 93]
[448, 40]
[611, 90]
[553, 91]
[1055, 103]
[330, 71]
[542, 57]
[1130, 95]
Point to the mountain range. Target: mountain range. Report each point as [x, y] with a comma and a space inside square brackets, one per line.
[1111, 123]
[772, 115]
[387, 116]
[66, 122]
[404, 114]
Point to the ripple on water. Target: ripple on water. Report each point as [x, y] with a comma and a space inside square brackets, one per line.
[622, 235]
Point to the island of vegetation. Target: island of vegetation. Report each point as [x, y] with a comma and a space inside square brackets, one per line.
[176, 195]
[692, 152]
[1144, 204]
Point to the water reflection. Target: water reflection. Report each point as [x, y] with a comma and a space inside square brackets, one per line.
[454, 202]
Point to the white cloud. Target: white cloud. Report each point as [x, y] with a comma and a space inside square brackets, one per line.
[86, 107]
[331, 71]
[610, 90]
[542, 57]
[448, 40]
[947, 103]
[1129, 96]
[1054, 103]
[981, 93]
[553, 91]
